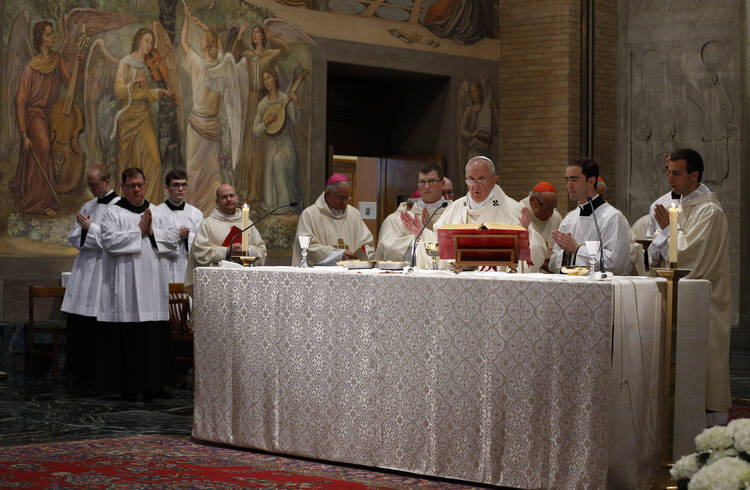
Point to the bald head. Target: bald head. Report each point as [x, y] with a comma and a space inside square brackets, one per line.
[227, 199]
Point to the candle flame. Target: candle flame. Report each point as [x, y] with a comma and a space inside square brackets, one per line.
[674, 205]
[245, 206]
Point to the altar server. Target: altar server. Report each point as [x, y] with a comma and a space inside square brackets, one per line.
[134, 308]
[702, 247]
[207, 247]
[187, 218]
[394, 242]
[484, 203]
[541, 206]
[337, 229]
[81, 301]
[579, 226]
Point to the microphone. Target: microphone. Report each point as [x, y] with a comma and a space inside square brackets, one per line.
[231, 240]
[416, 238]
[599, 233]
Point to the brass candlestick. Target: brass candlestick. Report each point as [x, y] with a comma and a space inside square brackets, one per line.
[673, 276]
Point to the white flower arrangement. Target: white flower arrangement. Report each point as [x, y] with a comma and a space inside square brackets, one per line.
[714, 438]
[722, 459]
[724, 474]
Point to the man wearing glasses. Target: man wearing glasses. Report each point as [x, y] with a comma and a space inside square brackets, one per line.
[484, 203]
[188, 219]
[337, 230]
[134, 341]
[394, 242]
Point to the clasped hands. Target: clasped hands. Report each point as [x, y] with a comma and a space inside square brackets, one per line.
[145, 223]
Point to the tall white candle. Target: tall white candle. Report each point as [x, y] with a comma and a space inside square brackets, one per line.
[674, 211]
[245, 222]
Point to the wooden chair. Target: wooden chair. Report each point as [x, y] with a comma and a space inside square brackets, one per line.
[179, 319]
[55, 328]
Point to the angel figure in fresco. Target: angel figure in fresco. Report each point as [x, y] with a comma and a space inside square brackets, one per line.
[35, 71]
[203, 134]
[478, 121]
[277, 115]
[269, 44]
[464, 21]
[131, 83]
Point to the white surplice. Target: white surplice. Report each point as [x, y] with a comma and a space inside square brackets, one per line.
[666, 201]
[394, 241]
[135, 284]
[331, 234]
[497, 208]
[703, 247]
[85, 282]
[211, 233]
[190, 217]
[615, 239]
[544, 228]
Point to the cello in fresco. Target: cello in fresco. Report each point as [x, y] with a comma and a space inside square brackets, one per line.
[66, 125]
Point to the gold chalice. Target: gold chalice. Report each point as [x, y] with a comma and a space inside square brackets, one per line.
[433, 251]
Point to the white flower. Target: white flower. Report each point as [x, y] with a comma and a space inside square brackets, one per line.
[721, 453]
[738, 424]
[712, 438]
[725, 474]
[685, 467]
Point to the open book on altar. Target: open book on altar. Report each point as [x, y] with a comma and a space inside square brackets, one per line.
[484, 243]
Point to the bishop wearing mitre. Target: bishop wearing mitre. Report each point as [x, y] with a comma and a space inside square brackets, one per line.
[209, 244]
[395, 240]
[337, 230]
[484, 203]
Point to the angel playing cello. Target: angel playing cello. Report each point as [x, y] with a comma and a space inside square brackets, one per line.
[35, 71]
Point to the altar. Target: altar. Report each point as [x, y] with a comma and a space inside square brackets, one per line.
[522, 380]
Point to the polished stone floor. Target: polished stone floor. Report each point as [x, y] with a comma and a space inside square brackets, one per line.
[34, 410]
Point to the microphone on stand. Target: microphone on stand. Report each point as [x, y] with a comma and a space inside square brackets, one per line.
[231, 240]
[599, 233]
[416, 238]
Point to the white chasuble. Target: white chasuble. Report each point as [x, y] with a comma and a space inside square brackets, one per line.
[135, 286]
[394, 241]
[211, 233]
[497, 208]
[190, 217]
[703, 247]
[331, 233]
[85, 283]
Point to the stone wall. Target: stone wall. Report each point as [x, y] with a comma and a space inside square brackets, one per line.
[680, 85]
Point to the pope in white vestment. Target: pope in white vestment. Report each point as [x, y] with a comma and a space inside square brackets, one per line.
[337, 229]
[702, 247]
[497, 208]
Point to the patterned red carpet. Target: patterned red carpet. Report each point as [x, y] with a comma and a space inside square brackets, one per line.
[177, 462]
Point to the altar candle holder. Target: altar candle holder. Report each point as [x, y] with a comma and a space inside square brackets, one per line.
[673, 276]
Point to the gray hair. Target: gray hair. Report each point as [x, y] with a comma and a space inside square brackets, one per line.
[332, 187]
[490, 164]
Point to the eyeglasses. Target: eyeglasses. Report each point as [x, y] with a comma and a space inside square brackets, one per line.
[480, 181]
[134, 185]
[422, 183]
[342, 198]
[541, 205]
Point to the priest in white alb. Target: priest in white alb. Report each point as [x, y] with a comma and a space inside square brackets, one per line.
[541, 210]
[484, 203]
[188, 219]
[702, 247]
[81, 301]
[594, 220]
[337, 229]
[134, 305]
[395, 241]
[212, 234]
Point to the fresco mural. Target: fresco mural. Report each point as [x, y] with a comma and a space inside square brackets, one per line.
[461, 21]
[477, 122]
[217, 87]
